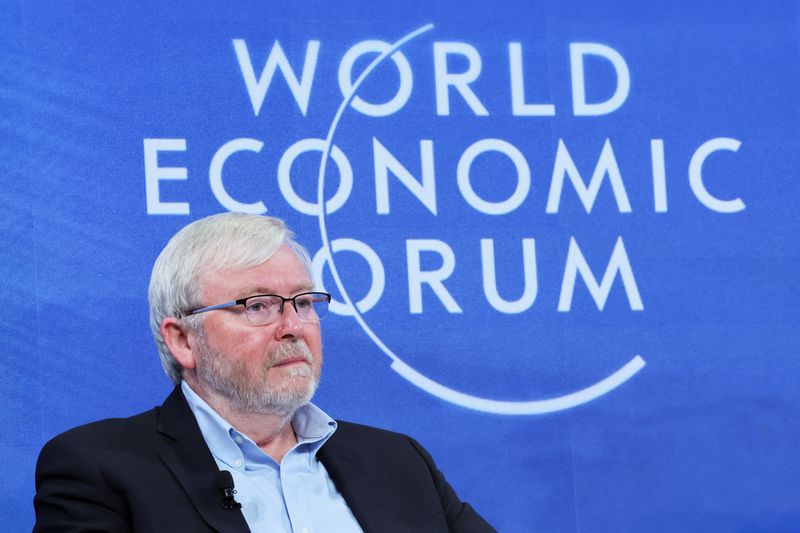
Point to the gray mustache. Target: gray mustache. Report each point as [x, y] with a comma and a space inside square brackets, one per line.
[290, 351]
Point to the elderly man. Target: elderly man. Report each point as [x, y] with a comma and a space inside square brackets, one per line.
[236, 320]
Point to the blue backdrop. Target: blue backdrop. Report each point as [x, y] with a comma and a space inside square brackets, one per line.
[568, 229]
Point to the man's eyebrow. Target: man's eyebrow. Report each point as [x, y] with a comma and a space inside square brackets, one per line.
[263, 289]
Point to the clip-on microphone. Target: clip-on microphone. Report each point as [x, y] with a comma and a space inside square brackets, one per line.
[225, 485]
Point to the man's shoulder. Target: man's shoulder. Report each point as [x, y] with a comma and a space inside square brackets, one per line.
[376, 441]
[352, 429]
[168, 421]
[109, 432]
[392, 472]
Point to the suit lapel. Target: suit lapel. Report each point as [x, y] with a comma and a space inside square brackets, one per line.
[192, 464]
[350, 478]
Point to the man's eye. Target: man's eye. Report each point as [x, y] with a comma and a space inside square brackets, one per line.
[303, 302]
[259, 307]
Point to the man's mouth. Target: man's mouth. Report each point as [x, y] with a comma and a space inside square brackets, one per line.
[291, 361]
[291, 355]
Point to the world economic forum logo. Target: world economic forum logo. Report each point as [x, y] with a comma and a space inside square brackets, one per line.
[486, 284]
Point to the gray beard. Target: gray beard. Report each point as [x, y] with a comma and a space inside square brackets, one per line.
[248, 391]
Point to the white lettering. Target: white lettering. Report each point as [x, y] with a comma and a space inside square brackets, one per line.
[425, 192]
[619, 262]
[377, 273]
[257, 89]
[433, 278]
[606, 165]
[154, 173]
[403, 68]
[285, 177]
[518, 106]
[490, 278]
[444, 79]
[523, 176]
[696, 175]
[215, 176]
[580, 107]
[659, 175]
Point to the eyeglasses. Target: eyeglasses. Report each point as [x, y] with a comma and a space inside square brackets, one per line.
[264, 309]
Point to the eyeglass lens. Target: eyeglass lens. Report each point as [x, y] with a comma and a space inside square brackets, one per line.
[310, 307]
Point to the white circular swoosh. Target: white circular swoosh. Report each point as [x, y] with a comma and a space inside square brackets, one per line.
[532, 407]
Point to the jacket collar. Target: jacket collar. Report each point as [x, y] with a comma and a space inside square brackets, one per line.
[349, 474]
[192, 464]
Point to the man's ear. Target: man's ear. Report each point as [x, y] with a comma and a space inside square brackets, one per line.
[176, 336]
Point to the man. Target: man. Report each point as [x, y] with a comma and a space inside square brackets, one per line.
[236, 320]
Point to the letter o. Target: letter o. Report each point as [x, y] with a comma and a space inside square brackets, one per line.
[285, 178]
[403, 68]
[523, 176]
[375, 266]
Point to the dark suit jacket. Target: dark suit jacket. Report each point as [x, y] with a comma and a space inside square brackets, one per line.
[154, 472]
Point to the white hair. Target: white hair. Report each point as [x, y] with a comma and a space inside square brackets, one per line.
[217, 242]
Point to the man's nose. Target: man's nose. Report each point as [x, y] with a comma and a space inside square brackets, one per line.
[289, 323]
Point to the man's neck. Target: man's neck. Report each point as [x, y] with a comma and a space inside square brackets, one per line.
[272, 432]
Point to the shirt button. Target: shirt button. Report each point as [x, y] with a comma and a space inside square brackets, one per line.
[237, 463]
[238, 438]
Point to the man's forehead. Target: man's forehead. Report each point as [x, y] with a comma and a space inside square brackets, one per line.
[247, 289]
[282, 272]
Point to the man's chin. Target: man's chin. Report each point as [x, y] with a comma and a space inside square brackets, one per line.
[290, 393]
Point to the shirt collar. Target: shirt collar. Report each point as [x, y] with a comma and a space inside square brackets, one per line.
[311, 424]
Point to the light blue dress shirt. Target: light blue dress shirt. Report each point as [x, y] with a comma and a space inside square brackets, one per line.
[296, 495]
